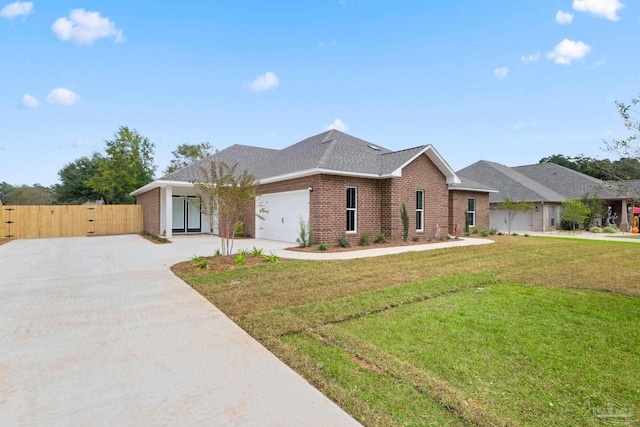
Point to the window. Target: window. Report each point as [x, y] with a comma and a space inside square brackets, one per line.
[553, 214]
[352, 209]
[419, 210]
[471, 211]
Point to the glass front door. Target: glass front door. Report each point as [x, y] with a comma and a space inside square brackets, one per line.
[186, 215]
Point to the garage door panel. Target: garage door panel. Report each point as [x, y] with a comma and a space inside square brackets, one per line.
[282, 221]
[523, 221]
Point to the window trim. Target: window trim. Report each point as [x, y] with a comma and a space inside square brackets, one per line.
[353, 209]
[420, 211]
[471, 213]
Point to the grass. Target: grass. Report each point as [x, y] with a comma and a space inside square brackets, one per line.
[521, 332]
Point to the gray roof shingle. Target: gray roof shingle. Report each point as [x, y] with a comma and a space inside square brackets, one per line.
[332, 151]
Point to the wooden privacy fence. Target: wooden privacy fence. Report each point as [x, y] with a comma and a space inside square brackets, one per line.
[24, 222]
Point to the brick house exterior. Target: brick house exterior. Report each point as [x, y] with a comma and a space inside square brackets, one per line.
[315, 178]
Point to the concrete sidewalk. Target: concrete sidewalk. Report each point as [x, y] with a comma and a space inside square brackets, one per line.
[98, 332]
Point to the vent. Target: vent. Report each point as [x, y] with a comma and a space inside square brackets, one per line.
[373, 147]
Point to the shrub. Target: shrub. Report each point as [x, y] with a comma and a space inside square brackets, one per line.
[405, 221]
[322, 247]
[596, 229]
[484, 233]
[475, 230]
[256, 252]
[415, 238]
[240, 258]
[380, 238]
[365, 238]
[499, 233]
[526, 235]
[200, 263]
[305, 234]
[238, 230]
[493, 231]
[514, 234]
[243, 252]
[272, 258]
[217, 253]
[610, 229]
[467, 234]
[343, 242]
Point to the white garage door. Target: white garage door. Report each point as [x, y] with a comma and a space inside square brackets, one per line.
[282, 223]
[523, 221]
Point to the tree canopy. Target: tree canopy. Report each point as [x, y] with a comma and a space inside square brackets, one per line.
[35, 194]
[127, 165]
[186, 154]
[574, 212]
[513, 208]
[74, 177]
[624, 168]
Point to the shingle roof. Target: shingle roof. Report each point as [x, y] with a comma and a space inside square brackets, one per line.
[329, 151]
[469, 184]
[542, 182]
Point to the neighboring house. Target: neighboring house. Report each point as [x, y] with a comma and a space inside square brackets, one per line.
[546, 185]
[339, 183]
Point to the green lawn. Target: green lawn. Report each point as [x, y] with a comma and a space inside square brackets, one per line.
[522, 332]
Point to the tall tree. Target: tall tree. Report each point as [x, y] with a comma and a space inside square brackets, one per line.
[627, 147]
[513, 208]
[35, 194]
[186, 154]
[127, 165]
[74, 177]
[223, 196]
[596, 208]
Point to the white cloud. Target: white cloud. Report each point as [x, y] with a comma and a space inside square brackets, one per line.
[602, 8]
[62, 96]
[18, 8]
[564, 17]
[338, 125]
[530, 58]
[264, 82]
[501, 73]
[84, 27]
[29, 101]
[568, 51]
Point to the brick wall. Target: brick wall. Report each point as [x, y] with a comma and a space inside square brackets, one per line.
[458, 204]
[150, 202]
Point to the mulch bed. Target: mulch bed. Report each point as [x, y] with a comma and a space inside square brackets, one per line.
[218, 264]
[355, 247]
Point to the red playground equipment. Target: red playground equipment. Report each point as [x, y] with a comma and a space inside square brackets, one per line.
[636, 221]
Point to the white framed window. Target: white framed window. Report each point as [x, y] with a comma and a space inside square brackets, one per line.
[352, 209]
[553, 215]
[471, 211]
[420, 210]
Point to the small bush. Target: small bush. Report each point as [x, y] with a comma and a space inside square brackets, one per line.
[475, 230]
[322, 247]
[305, 234]
[610, 229]
[484, 233]
[343, 242]
[467, 234]
[256, 252]
[243, 252]
[380, 238]
[365, 238]
[429, 238]
[415, 238]
[526, 235]
[500, 233]
[272, 258]
[200, 263]
[493, 231]
[238, 230]
[596, 229]
[240, 258]
[217, 253]
[514, 234]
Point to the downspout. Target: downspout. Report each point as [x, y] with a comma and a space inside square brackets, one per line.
[544, 224]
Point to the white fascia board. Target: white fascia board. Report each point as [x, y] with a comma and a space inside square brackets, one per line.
[317, 171]
[437, 160]
[477, 190]
[160, 184]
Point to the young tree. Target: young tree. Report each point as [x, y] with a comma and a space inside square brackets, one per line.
[73, 187]
[596, 207]
[128, 165]
[223, 196]
[574, 212]
[186, 154]
[405, 221]
[513, 208]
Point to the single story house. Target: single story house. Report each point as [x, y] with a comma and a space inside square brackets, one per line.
[547, 185]
[340, 184]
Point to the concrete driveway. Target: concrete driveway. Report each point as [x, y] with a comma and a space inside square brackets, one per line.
[98, 332]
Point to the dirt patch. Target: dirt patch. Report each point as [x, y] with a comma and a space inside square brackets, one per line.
[218, 264]
[3, 241]
[154, 239]
[331, 248]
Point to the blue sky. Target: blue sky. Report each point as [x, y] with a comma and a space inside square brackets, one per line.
[506, 81]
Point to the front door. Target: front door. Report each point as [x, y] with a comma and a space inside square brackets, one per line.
[186, 215]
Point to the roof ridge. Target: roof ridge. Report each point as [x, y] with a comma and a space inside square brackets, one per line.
[525, 181]
[406, 149]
